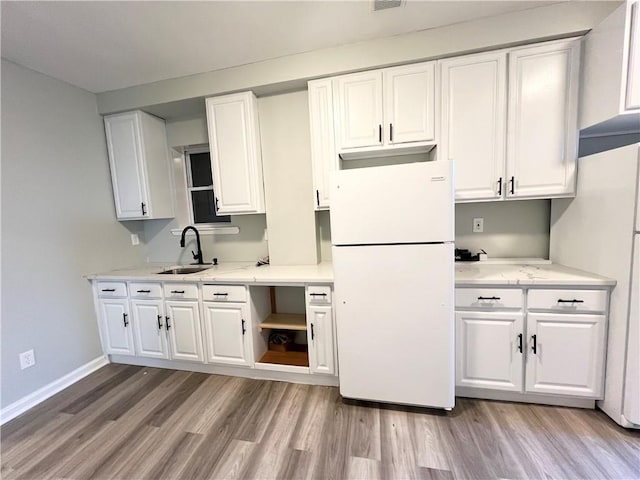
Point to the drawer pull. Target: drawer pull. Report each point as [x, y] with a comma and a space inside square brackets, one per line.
[177, 291]
[520, 343]
[534, 342]
[560, 300]
[318, 294]
[108, 289]
[220, 294]
[488, 298]
[144, 291]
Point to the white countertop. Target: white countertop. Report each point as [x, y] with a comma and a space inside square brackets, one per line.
[535, 273]
[549, 274]
[232, 272]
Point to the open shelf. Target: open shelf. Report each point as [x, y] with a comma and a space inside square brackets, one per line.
[285, 321]
[298, 356]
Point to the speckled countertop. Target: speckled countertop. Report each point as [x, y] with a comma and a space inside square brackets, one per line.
[232, 272]
[534, 273]
[530, 274]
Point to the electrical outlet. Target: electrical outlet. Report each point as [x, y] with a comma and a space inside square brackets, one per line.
[478, 225]
[135, 240]
[27, 359]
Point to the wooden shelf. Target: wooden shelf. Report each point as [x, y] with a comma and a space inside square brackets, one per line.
[285, 321]
[298, 356]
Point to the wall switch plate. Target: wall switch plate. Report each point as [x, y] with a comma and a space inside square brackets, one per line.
[135, 240]
[478, 225]
[27, 359]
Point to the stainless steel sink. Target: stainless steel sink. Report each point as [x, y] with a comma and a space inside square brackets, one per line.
[183, 270]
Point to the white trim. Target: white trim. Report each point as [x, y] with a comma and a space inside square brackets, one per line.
[25, 403]
[503, 396]
[221, 230]
[230, 370]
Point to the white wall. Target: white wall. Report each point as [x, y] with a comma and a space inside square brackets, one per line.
[58, 224]
[286, 72]
[511, 229]
[286, 157]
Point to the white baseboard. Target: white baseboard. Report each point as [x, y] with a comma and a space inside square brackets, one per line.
[25, 403]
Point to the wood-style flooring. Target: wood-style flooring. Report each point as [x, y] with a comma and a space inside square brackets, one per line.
[130, 422]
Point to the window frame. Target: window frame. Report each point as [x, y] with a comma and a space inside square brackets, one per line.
[186, 154]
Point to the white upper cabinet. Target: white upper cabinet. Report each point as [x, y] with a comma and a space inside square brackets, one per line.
[383, 108]
[473, 135]
[236, 160]
[323, 148]
[611, 69]
[409, 103]
[140, 169]
[542, 130]
[359, 110]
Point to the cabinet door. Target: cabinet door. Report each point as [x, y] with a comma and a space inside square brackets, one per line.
[409, 103]
[489, 350]
[149, 334]
[116, 324]
[320, 340]
[359, 110]
[565, 354]
[124, 145]
[323, 149]
[236, 162]
[227, 333]
[474, 109]
[542, 129]
[182, 322]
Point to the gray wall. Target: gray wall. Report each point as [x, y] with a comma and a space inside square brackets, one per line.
[511, 229]
[58, 224]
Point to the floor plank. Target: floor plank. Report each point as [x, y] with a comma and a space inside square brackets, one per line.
[124, 422]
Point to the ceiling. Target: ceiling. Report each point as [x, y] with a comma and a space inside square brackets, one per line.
[108, 45]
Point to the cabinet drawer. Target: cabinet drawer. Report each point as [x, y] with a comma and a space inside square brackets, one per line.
[568, 300]
[145, 290]
[112, 289]
[224, 293]
[319, 295]
[488, 298]
[176, 291]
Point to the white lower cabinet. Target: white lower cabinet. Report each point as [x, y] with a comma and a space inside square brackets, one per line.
[565, 354]
[182, 321]
[320, 339]
[117, 329]
[227, 333]
[149, 328]
[550, 348]
[490, 350]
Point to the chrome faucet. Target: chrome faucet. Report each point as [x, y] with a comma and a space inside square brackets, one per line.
[196, 256]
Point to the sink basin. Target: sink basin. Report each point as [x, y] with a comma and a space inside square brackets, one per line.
[183, 270]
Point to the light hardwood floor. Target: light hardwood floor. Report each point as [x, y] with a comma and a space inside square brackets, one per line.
[130, 422]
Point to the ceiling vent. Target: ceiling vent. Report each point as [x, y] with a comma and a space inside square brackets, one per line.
[386, 4]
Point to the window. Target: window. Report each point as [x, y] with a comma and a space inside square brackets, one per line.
[200, 188]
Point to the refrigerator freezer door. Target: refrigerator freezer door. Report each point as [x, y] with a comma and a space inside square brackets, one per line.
[395, 323]
[631, 406]
[407, 203]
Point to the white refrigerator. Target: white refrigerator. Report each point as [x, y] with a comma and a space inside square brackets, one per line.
[392, 230]
[599, 231]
